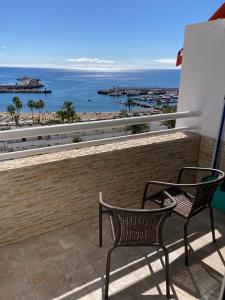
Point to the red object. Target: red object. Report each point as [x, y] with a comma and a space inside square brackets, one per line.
[219, 14]
[179, 58]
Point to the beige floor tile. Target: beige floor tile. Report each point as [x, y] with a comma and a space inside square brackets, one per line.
[67, 264]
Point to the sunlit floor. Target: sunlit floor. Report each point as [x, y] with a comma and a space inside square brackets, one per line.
[67, 264]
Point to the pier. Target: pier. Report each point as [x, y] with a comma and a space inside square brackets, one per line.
[14, 89]
[137, 91]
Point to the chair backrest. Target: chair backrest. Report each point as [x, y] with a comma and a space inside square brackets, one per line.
[138, 227]
[204, 191]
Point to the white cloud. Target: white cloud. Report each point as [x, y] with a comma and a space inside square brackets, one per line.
[97, 64]
[91, 60]
[166, 61]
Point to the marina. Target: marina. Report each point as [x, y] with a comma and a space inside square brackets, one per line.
[80, 87]
[144, 97]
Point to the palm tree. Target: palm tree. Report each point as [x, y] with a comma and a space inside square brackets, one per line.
[37, 106]
[41, 105]
[130, 102]
[70, 112]
[61, 114]
[18, 105]
[123, 113]
[74, 116]
[11, 110]
[31, 105]
[167, 110]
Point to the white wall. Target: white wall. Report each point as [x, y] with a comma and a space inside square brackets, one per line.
[202, 84]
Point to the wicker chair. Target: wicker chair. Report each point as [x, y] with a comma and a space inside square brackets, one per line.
[135, 227]
[188, 205]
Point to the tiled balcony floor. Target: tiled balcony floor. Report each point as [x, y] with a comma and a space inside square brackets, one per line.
[68, 264]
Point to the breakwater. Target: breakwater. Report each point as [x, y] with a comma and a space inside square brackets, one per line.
[137, 91]
[15, 89]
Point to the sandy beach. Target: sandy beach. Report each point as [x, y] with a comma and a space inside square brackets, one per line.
[26, 117]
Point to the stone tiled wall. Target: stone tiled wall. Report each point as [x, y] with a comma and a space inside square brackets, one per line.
[206, 153]
[45, 192]
[205, 159]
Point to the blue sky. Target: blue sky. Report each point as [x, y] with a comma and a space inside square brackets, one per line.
[97, 33]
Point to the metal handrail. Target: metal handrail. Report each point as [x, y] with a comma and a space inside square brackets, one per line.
[91, 125]
[86, 126]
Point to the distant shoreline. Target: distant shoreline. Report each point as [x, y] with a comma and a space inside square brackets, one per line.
[81, 87]
[26, 117]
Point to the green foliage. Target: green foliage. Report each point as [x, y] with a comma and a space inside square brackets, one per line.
[138, 128]
[61, 114]
[167, 110]
[31, 105]
[124, 113]
[158, 101]
[52, 122]
[67, 112]
[18, 103]
[14, 109]
[77, 139]
[39, 105]
[11, 110]
[130, 102]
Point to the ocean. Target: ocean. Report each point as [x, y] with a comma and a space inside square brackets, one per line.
[81, 86]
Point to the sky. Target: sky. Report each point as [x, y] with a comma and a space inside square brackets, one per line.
[97, 34]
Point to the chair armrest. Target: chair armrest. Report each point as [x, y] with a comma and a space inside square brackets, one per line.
[193, 169]
[166, 184]
[169, 196]
[158, 183]
[103, 207]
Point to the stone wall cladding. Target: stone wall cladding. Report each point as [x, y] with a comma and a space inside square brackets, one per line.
[206, 153]
[46, 192]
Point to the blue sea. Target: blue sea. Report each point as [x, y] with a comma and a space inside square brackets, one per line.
[81, 86]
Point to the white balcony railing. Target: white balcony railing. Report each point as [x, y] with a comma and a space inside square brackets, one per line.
[16, 134]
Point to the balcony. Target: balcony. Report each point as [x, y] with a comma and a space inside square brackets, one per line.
[67, 264]
[49, 206]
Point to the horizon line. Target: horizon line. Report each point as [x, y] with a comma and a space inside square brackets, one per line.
[116, 69]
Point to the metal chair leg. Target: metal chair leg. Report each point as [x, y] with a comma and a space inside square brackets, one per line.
[108, 273]
[186, 243]
[167, 272]
[100, 226]
[212, 224]
[143, 204]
